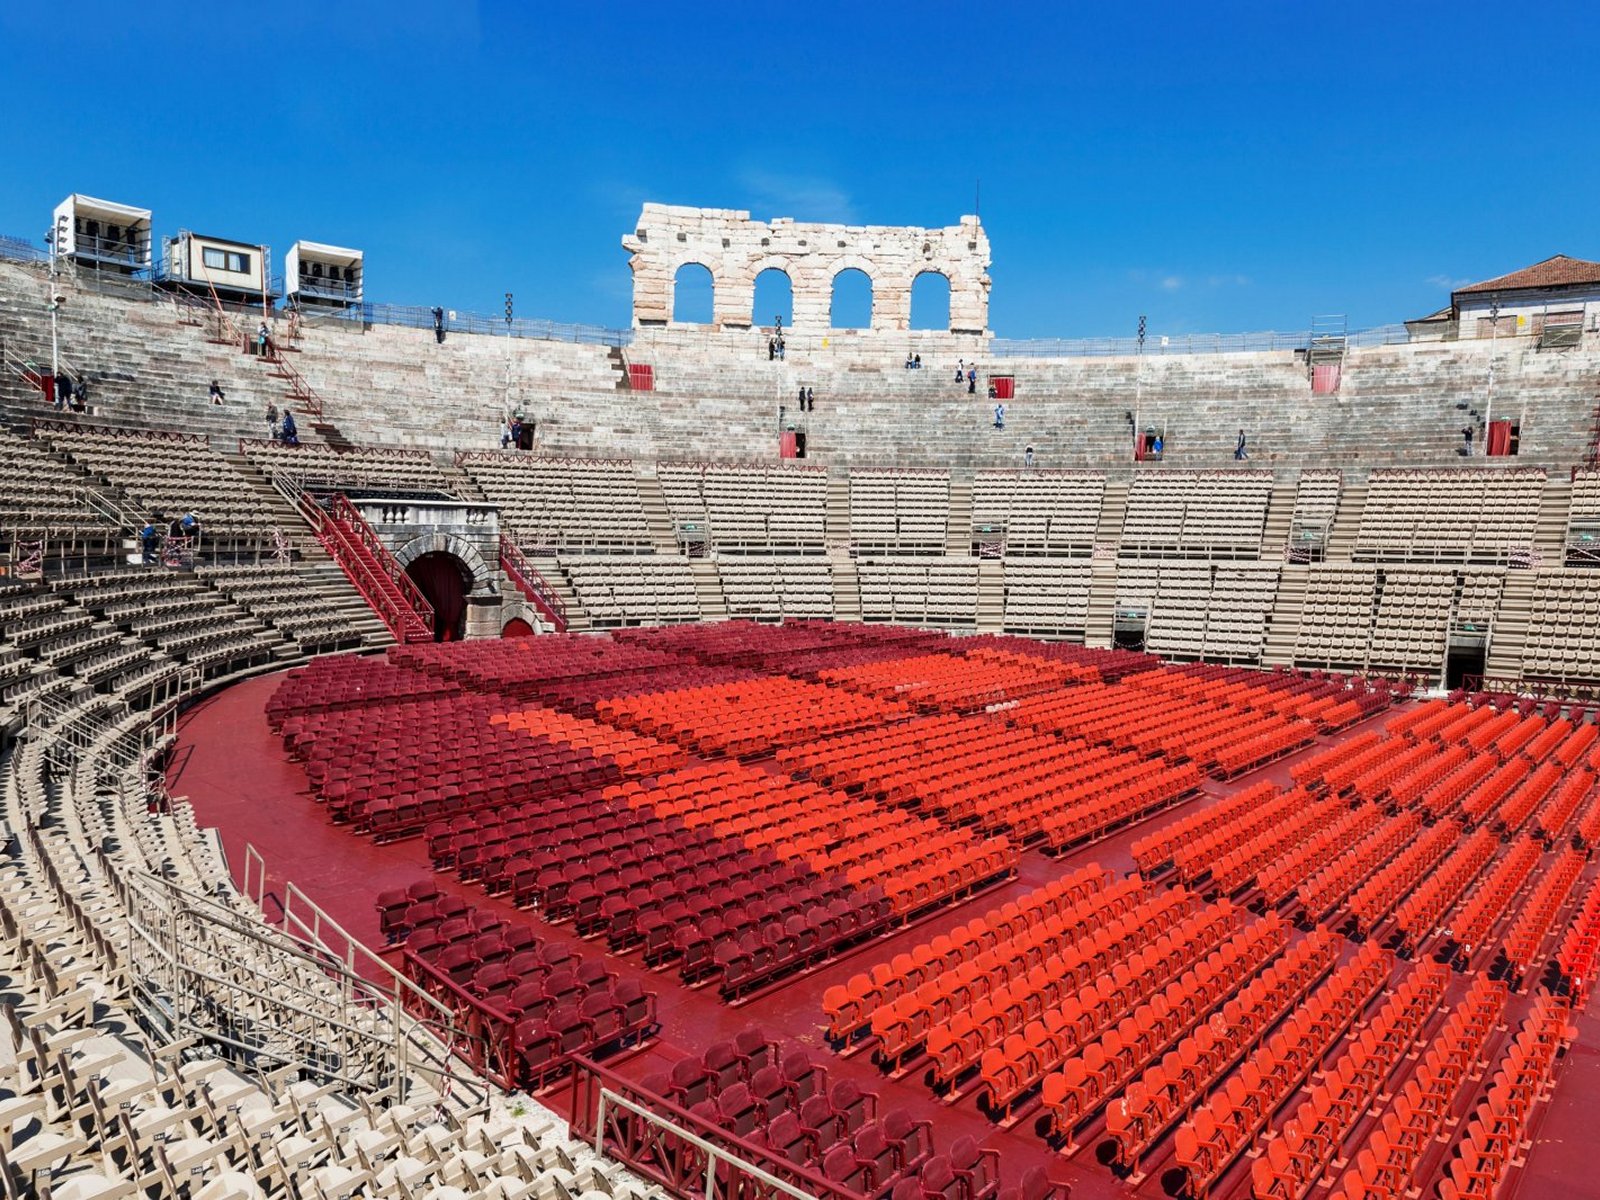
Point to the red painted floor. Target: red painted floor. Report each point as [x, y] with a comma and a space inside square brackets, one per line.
[234, 771]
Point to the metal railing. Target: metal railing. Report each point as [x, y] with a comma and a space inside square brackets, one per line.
[301, 392]
[675, 1148]
[532, 584]
[1157, 345]
[364, 559]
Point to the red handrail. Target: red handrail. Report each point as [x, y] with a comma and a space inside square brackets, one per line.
[393, 595]
[301, 392]
[344, 511]
[532, 584]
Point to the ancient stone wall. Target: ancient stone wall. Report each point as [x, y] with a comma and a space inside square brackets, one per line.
[735, 249]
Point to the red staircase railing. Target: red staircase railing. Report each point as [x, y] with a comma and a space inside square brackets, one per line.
[393, 595]
[531, 584]
[301, 392]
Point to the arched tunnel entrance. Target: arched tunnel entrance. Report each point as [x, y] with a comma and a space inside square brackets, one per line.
[445, 580]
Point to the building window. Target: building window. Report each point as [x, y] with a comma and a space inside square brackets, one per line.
[226, 260]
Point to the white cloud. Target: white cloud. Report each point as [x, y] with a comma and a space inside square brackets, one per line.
[804, 197]
[1445, 283]
[1218, 281]
[1171, 283]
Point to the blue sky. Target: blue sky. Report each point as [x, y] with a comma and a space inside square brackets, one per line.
[1218, 167]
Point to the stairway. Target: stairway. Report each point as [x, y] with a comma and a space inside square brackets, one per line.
[846, 590]
[838, 519]
[550, 570]
[958, 530]
[708, 589]
[1113, 508]
[1508, 636]
[1279, 519]
[1346, 522]
[376, 575]
[663, 535]
[328, 581]
[991, 595]
[1102, 602]
[273, 502]
[1283, 629]
[1550, 534]
[527, 579]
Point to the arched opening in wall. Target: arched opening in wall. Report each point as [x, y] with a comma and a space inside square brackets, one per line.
[930, 301]
[852, 300]
[693, 294]
[516, 627]
[773, 298]
[445, 581]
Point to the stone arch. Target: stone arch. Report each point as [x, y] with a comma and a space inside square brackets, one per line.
[699, 276]
[846, 269]
[938, 284]
[764, 307]
[438, 542]
[515, 608]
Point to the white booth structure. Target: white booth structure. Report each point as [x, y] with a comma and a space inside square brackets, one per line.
[102, 235]
[237, 270]
[316, 275]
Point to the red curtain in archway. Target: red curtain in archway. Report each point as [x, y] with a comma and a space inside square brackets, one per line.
[440, 578]
[517, 627]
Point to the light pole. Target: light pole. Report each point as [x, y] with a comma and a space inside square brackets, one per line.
[1494, 330]
[1138, 393]
[54, 238]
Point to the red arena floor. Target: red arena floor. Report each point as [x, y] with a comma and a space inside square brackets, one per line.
[241, 779]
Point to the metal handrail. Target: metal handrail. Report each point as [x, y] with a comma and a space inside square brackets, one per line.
[300, 391]
[532, 584]
[392, 593]
[596, 1083]
[341, 509]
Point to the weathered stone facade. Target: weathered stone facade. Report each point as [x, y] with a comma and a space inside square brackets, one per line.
[736, 249]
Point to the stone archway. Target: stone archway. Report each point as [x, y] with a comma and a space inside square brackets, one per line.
[482, 576]
[444, 580]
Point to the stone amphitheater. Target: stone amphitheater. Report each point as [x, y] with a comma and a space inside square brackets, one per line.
[187, 1020]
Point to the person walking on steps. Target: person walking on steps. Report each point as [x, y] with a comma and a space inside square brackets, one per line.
[972, 381]
[215, 393]
[1239, 452]
[1000, 414]
[263, 341]
[438, 325]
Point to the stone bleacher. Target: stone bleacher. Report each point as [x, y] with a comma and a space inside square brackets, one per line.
[714, 399]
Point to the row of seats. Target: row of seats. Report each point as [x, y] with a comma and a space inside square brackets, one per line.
[1497, 1134]
[774, 1100]
[172, 474]
[772, 509]
[365, 467]
[1309, 1140]
[1154, 1102]
[1207, 513]
[629, 591]
[1238, 1114]
[1147, 1040]
[1443, 514]
[1420, 1111]
[534, 1001]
